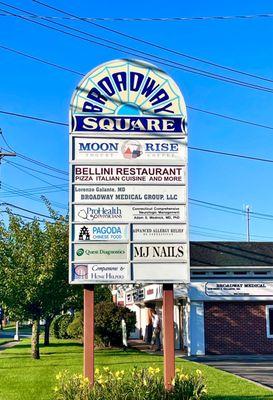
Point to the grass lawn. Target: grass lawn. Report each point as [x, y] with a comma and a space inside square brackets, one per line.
[22, 378]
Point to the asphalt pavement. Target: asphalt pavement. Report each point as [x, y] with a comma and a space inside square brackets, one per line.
[258, 368]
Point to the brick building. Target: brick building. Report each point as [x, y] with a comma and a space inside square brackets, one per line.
[228, 306]
[231, 298]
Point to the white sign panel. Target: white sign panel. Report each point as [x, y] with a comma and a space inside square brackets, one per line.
[117, 194]
[94, 150]
[101, 273]
[126, 213]
[239, 289]
[154, 252]
[149, 272]
[159, 233]
[109, 175]
[100, 232]
[101, 252]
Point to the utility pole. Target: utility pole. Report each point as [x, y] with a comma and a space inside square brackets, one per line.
[248, 223]
[2, 155]
[5, 154]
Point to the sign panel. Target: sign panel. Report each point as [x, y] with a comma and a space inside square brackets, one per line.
[156, 151]
[101, 252]
[239, 289]
[129, 194]
[118, 125]
[101, 273]
[154, 252]
[109, 175]
[159, 233]
[128, 177]
[127, 214]
[152, 272]
[100, 232]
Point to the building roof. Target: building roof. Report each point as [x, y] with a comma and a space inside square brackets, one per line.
[223, 254]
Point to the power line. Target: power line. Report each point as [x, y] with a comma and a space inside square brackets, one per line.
[40, 60]
[35, 170]
[194, 148]
[20, 215]
[230, 118]
[24, 193]
[216, 236]
[7, 193]
[224, 153]
[232, 210]
[31, 117]
[228, 232]
[154, 44]
[40, 189]
[154, 19]
[26, 209]
[36, 177]
[169, 63]
[49, 121]
[204, 204]
[47, 166]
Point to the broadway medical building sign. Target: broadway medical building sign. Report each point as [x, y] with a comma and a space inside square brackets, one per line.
[128, 177]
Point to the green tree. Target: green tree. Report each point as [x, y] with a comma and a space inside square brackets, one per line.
[57, 295]
[34, 272]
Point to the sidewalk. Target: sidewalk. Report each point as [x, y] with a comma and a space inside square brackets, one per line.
[140, 345]
[8, 345]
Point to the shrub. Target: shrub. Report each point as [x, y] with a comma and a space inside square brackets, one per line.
[65, 321]
[108, 318]
[75, 328]
[54, 328]
[144, 384]
[59, 326]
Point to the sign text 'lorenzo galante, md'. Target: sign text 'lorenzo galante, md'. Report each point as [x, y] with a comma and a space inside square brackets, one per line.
[128, 177]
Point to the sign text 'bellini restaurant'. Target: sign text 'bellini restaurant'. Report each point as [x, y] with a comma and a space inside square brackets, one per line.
[128, 177]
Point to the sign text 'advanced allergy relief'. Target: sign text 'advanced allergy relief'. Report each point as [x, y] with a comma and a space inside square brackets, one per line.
[128, 177]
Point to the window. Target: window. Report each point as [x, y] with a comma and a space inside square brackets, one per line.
[240, 272]
[260, 273]
[219, 273]
[269, 321]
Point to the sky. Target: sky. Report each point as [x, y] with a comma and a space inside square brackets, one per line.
[32, 88]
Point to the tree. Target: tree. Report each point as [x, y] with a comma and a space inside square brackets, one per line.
[57, 295]
[34, 272]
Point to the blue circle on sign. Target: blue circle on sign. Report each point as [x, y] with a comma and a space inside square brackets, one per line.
[128, 109]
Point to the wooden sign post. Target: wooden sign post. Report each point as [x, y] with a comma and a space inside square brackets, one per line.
[88, 331]
[168, 338]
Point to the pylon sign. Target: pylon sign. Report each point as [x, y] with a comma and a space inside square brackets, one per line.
[128, 177]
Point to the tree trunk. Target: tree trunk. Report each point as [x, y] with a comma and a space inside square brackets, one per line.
[35, 350]
[48, 321]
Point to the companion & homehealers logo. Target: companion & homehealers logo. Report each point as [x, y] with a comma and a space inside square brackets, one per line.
[81, 271]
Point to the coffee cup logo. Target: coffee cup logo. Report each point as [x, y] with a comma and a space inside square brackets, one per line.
[131, 149]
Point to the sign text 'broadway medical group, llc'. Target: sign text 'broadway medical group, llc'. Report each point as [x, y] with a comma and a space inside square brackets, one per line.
[128, 177]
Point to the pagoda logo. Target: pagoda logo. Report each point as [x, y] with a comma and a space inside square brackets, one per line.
[84, 233]
[131, 149]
